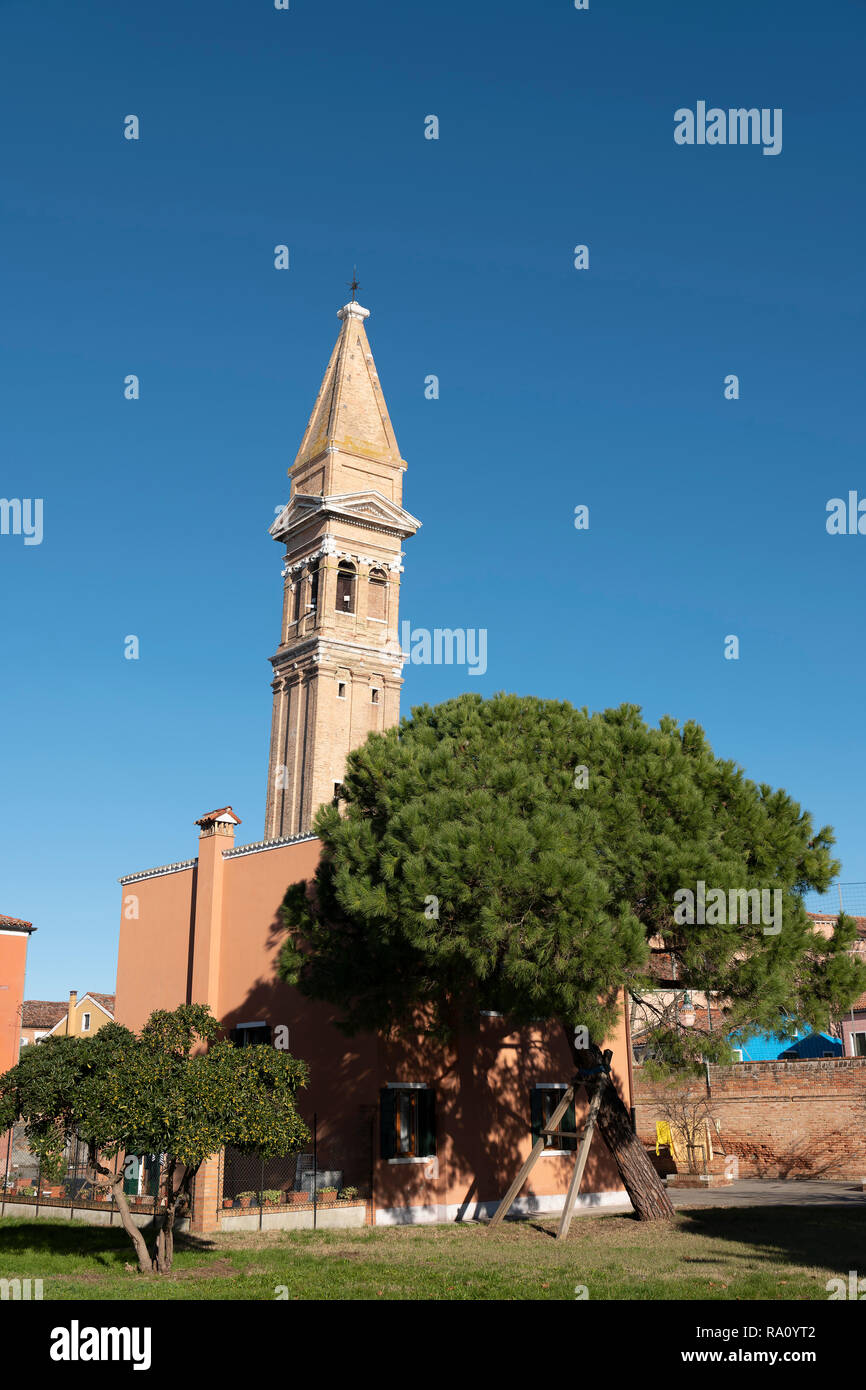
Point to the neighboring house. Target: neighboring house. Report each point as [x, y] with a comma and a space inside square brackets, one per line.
[14, 936]
[436, 1131]
[814, 1045]
[854, 1029]
[689, 1009]
[39, 1017]
[84, 1016]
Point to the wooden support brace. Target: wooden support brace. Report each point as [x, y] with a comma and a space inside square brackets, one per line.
[535, 1155]
[577, 1175]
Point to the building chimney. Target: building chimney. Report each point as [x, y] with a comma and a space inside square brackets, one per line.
[221, 822]
[73, 1000]
[216, 837]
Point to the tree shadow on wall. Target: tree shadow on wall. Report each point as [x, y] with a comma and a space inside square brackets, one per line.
[483, 1084]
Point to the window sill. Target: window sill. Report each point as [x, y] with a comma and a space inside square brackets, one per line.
[427, 1159]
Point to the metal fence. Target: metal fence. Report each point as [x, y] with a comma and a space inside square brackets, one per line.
[330, 1174]
[78, 1187]
[845, 897]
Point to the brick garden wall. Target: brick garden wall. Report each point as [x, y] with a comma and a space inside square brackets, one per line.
[781, 1119]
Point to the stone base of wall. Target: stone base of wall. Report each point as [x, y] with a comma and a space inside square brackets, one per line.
[776, 1119]
[343, 1215]
[480, 1211]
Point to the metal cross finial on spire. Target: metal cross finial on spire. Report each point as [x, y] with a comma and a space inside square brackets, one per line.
[354, 285]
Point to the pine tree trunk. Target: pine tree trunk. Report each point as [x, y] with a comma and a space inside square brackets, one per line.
[639, 1178]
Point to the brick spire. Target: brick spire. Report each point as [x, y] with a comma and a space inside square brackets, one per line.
[350, 427]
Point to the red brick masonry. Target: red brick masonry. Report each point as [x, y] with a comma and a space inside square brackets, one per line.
[781, 1119]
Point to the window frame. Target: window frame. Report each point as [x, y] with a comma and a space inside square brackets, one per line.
[258, 1026]
[346, 571]
[424, 1125]
[568, 1121]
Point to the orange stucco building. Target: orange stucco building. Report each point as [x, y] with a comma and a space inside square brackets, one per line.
[432, 1133]
[14, 936]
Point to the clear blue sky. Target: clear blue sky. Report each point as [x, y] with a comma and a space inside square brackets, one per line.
[558, 387]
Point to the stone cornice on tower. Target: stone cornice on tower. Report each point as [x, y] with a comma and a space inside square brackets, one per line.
[367, 509]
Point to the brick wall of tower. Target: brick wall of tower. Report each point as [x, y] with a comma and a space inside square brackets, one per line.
[313, 727]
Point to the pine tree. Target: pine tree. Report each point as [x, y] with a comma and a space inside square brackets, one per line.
[522, 855]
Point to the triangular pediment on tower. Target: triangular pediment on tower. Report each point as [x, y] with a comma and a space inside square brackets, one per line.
[368, 508]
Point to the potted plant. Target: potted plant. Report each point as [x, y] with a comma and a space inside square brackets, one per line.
[228, 1202]
[348, 1194]
[328, 1196]
[272, 1196]
[245, 1199]
[298, 1199]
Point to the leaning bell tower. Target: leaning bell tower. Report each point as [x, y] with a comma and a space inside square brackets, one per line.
[336, 672]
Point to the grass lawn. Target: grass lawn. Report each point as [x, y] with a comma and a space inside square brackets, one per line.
[706, 1253]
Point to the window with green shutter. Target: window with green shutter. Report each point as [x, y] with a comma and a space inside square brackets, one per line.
[543, 1102]
[408, 1122]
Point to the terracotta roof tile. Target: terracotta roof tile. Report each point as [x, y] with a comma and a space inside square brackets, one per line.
[106, 1000]
[42, 1013]
[15, 923]
[221, 811]
[830, 919]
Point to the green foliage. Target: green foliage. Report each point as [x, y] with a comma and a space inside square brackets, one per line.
[471, 869]
[155, 1093]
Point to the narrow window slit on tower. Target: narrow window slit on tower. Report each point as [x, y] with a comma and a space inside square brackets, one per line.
[341, 690]
[345, 587]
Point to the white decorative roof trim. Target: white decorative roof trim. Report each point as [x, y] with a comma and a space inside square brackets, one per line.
[158, 873]
[329, 547]
[260, 846]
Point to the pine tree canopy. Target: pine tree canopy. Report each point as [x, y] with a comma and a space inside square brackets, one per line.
[522, 855]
